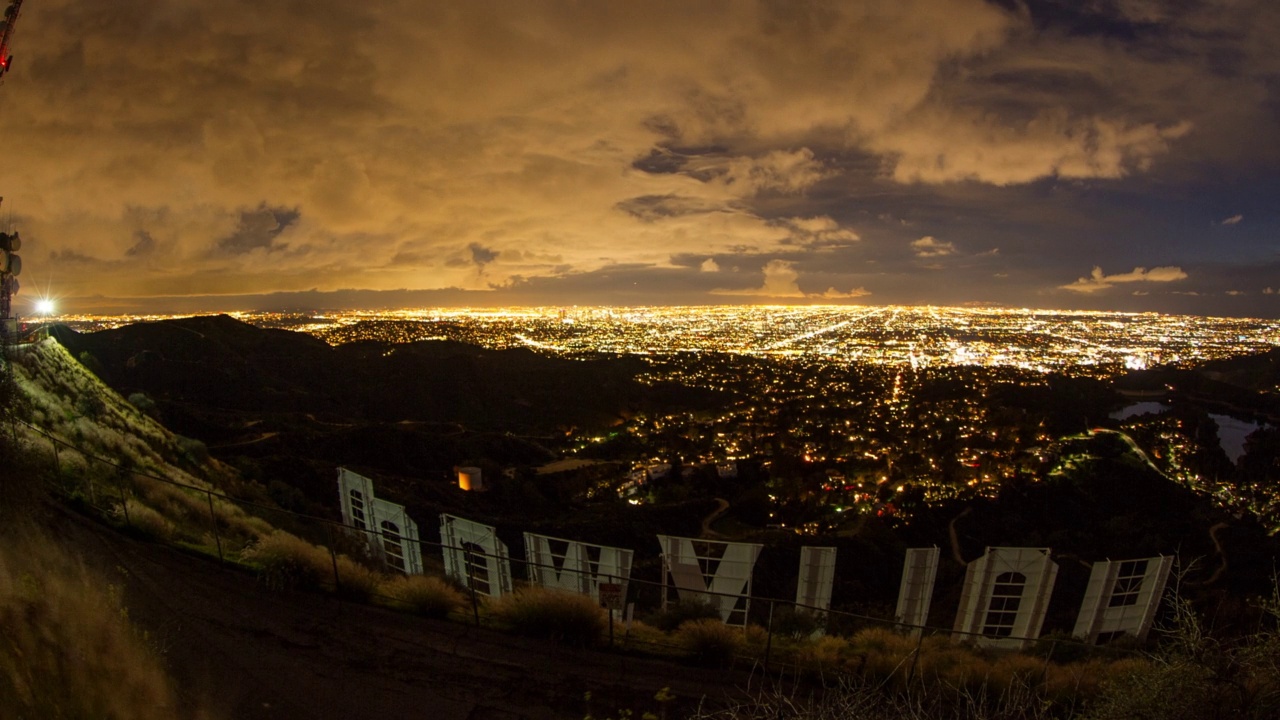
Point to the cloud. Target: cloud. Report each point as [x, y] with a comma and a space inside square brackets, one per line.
[1097, 281]
[779, 171]
[1233, 220]
[145, 245]
[228, 147]
[833, 294]
[820, 232]
[709, 266]
[928, 247]
[782, 281]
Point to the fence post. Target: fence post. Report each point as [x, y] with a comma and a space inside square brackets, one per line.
[124, 502]
[768, 643]
[916, 657]
[213, 520]
[333, 555]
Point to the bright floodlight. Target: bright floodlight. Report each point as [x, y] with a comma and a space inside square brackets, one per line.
[44, 307]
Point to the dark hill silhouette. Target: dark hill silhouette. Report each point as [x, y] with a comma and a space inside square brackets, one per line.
[221, 363]
[286, 408]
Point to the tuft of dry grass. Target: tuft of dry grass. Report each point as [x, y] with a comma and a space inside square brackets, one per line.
[146, 520]
[565, 617]
[67, 649]
[288, 562]
[710, 642]
[425, 595]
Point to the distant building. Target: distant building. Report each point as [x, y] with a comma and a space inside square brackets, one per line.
[471, 479]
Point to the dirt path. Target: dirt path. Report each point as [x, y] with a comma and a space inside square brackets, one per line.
[246, 652]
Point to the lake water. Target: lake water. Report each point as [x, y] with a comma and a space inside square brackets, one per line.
[1231, 432]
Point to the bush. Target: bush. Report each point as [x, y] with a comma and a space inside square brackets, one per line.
[355, 581]
[797, 623]
[709, 642]
[287, 562]
[193, 451]
[423, 595]
[565, 617]
[147, 521]
[677, 614]
[67, 649]
[145, 404]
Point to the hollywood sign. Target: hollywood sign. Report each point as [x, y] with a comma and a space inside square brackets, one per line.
[1005, 596]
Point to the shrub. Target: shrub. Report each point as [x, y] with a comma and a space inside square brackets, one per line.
[824, 653]
[194, 451]
[355, 581]
[147, 521]
[144, 404]
[709, 642]
[797, 623]
[287, 562]
[423, 595]
[676, 614]
[67, 649]
[565, 617]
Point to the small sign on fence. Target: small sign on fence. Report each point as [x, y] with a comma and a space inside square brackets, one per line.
[611, 596]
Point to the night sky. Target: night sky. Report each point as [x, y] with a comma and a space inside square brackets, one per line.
[180, 155]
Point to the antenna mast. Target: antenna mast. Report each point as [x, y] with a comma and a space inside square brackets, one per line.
[10, 243]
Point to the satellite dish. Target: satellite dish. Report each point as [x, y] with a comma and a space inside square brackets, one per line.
[15, 265]
[15, 242]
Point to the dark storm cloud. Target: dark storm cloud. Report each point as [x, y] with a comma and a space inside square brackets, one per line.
[144, 245]
[541, 144]
[652, 208]
[258, 229]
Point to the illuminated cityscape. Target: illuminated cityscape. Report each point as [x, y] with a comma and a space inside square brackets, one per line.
[1038, 340]
[841, 412]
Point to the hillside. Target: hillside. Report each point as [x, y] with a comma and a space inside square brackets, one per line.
[191, 365]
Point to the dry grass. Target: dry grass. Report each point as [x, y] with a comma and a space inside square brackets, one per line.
[423, 595]
[561, 616]
[67, 649]
[288, 562]
[710, 642]
[147, 521]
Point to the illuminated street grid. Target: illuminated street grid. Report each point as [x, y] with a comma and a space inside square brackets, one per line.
[920, 336]
[1040, 340]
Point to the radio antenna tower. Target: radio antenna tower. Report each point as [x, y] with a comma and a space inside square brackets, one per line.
[10, 243]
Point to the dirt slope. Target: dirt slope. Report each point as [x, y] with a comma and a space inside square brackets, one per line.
[246, 652]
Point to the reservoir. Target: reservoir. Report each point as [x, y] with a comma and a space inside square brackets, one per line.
[1231, 432]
